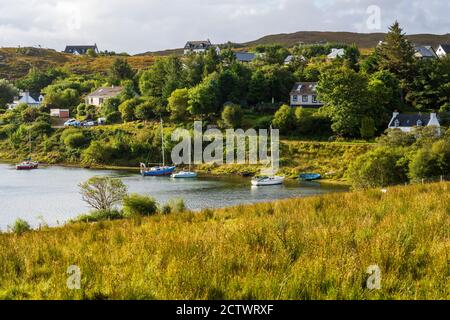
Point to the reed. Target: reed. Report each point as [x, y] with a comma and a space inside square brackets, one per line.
[313, 248]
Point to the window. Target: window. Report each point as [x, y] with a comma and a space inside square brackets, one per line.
[419, 123]
[305, 99]
[294, 98]
[397, 123]
[314, 99]
[100, 100]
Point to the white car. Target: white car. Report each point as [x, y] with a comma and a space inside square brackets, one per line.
[72, 123]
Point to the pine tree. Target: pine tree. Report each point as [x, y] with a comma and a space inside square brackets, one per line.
[397, 54]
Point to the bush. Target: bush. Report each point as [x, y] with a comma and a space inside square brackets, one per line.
[76, 140]
[232, 115]
[101, 215]
[20, 226]
[139, 205]
[379, 168]
[114, 117]
[174, 206]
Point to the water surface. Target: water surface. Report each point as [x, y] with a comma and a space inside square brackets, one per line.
[51, 195]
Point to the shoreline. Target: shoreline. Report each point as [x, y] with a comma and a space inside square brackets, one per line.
[202, 172]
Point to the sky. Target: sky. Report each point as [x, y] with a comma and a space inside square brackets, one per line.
[137, 26]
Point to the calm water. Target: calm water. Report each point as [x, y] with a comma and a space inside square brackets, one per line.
[50, 195]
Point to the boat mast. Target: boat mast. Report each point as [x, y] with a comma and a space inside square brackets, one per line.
[271, 150]
[162, 143]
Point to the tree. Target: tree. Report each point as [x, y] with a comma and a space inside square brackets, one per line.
[284, 119]
[368, 128]
[102, 193]
[128, 108]
[178, 104]
[270, 82]
[91, 53]
[7, 92]
[145, 111]
[203, 98]
[352, 56]
[396, 54]
[381, 167]
[212, 62]
[111, 105]
[232, 115]
[346, 97]
[165, 75]
[121, 70]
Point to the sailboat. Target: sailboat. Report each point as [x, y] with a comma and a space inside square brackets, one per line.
[186, 174]
[28, 164]
[268, 180]
[162, 170]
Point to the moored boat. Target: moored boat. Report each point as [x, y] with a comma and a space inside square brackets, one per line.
[267, 181]
[27, 165]
[310, 176]
[162, 171]
[184, 175]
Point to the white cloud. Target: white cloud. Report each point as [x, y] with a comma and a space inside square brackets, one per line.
[143, 25]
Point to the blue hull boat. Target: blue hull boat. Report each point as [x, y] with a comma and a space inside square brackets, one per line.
[310, 176]
[158, 171]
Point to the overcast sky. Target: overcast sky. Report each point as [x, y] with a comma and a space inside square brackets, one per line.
[147, 25]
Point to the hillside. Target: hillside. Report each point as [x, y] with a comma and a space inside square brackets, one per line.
[362, 40]
[15, 63]
[300, 249]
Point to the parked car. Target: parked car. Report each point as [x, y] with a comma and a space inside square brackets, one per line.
[89, 123]
[72, 123]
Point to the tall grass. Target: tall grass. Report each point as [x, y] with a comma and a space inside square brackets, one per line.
[314, 248]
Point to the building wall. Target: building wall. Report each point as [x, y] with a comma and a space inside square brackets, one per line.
[297, 100]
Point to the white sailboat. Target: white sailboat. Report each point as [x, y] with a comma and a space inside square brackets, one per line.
[186, 174]
[272, 179]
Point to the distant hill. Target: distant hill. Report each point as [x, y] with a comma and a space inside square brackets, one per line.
[16, 62]
[362, 40]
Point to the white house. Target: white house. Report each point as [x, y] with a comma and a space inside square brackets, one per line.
[199, 47]
[305, 94]
[407, 122]
[102, 94]
[80, 50]
[443, 50]
[336, 53]
[28, 98]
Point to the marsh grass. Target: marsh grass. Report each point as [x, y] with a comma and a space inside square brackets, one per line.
[314, 248]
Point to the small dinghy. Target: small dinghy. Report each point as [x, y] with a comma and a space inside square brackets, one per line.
[310, 176]
[27, 165]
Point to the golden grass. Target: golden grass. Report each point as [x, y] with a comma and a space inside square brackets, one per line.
[314, 248]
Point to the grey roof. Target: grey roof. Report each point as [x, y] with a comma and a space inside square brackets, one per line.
[245, 56]
[425, 52]
[304, 88]
[410, 120]
[446, 47]
[81, 49]
[106, 92]
[192, 45]
[335, 53]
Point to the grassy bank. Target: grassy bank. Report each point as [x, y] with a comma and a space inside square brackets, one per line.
[314, 248]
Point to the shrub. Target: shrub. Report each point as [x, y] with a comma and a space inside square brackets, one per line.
[379, 168]
[114, 117]
[232, 115]
[76, 140]
[174, 206]
[139, 205]
[101, 215]
[20, 226]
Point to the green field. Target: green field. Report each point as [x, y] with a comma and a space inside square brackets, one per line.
[314, 248]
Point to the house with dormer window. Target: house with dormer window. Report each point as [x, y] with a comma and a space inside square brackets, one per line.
[407, 122]
[304, 94]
